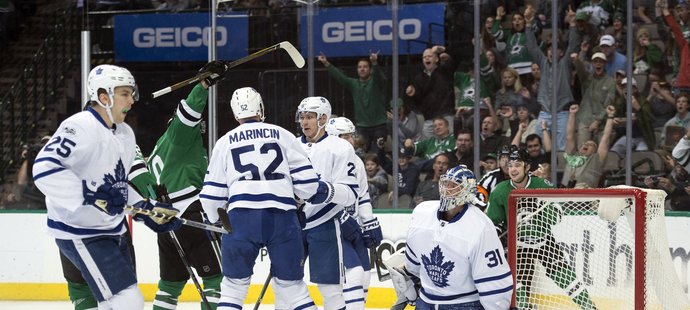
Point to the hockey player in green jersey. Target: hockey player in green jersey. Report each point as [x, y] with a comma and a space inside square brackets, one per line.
[179, 161]
[535, 238]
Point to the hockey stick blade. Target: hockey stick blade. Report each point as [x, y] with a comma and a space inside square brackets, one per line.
[294, 54]
[287, 46]
[184, 221]
[224, 219]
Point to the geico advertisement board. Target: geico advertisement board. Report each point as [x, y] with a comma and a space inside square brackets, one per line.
[178, 37]
[357, 31]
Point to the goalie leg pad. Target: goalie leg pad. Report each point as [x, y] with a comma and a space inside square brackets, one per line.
[292, 294]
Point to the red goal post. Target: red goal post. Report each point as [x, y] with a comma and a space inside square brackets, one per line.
[578, 248]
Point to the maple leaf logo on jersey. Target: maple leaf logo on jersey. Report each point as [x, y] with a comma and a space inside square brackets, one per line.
[436, 268]
[119, 181]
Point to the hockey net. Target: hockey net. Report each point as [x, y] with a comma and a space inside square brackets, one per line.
[591, 248]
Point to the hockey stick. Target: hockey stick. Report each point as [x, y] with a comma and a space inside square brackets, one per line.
[263, 290]
[187, 222]
[161, 193]
[213, 238]
[185, 262]
[285, 45]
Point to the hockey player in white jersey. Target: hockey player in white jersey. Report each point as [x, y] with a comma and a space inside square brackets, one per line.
[358, 273]
[453, 248]
[83, 172]
[330, 232]
[257, 169]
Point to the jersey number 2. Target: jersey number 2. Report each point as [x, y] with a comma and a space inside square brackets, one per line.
[269, 173]
[64, 149]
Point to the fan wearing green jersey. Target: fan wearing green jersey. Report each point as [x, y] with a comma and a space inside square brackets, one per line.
[179, 161]
[534, 236]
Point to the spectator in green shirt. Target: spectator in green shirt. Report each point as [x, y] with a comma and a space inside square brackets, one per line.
[442, 142]
[369, 96]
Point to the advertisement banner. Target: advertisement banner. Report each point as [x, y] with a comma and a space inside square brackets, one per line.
[178, 37]
[357, 31]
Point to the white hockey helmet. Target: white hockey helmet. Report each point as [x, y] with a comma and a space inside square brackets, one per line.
[318, 105]
[458, 186]
[109, 77]
[246, 102]
[340, 126]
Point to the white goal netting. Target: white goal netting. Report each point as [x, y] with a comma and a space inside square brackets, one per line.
[581, 249]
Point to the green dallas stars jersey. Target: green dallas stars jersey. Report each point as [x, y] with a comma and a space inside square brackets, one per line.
[179, 160]
[538, 225]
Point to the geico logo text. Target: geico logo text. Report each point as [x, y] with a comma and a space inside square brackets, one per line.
[379, 30]
[177, 37]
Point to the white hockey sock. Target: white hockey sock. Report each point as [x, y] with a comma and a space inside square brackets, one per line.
[353, 292]
[129, 298]
[366, 279]
[292, 295]
[233, 293]
[332, 296]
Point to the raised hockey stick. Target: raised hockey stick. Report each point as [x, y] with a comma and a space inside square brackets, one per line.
[285, 45]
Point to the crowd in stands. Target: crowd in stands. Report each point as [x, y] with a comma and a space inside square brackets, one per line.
[13, 15]
[436, 111]
[436, 108]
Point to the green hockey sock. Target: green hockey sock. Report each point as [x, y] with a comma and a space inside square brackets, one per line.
[168, 292]
[81, 297]
[566, 279]
[212, 290]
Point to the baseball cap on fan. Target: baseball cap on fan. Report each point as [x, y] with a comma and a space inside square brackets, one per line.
[607, 40]
[625, 81]
[599, 55]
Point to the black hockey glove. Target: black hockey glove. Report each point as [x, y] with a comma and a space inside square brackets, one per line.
[324, 194]
[106, 198]
[158, 224]
[349, 227]
[371, 233]
[217, 68]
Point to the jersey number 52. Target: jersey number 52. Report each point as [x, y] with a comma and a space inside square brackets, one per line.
[269, 173]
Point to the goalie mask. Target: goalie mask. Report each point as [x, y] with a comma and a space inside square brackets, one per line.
[108, 77]
[246, 102]
[458, 186]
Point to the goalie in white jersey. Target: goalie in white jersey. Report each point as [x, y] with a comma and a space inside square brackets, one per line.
[257, 169]
[83, 172]
[358, 272]
[453, 248]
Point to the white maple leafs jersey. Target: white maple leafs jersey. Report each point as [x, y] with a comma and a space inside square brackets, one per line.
[257, 166]
[458, 261]
[334, 161]
[82, 155]
[362, 210]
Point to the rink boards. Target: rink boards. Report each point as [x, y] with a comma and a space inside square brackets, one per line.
[31, 266]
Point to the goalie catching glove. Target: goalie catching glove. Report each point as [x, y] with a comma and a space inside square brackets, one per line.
[106, 198]
[406, 285]
[159, 224]
[217, 68]
[371, 233]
